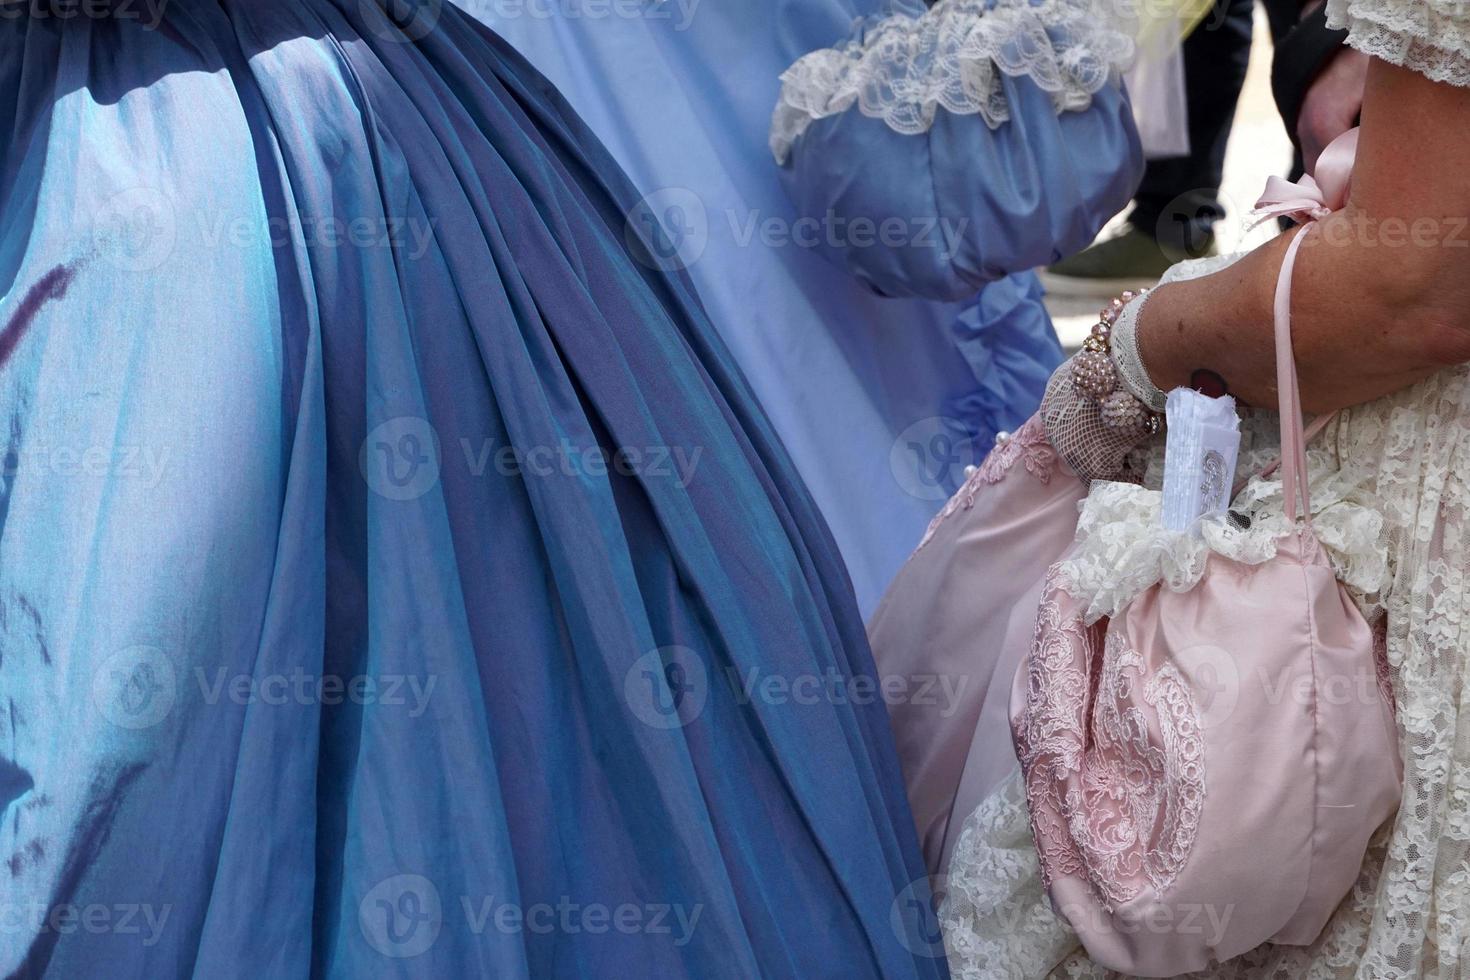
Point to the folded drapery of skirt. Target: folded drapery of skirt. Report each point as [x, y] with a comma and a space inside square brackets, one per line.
[392, 566]
[882, 402]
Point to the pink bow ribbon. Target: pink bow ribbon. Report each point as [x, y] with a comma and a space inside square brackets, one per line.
[1320, 193]
[1306, 200]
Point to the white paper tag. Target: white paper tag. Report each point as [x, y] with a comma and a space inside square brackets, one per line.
[1199, 457]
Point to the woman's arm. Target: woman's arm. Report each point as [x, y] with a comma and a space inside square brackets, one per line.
[1381, 291]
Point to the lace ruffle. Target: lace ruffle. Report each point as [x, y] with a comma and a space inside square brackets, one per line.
[997, 918]
[1122, 548]
[904, 68]
[1431, 37]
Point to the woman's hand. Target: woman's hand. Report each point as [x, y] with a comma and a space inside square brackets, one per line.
[1075, 428]
[1332, 104]
[1381, 294]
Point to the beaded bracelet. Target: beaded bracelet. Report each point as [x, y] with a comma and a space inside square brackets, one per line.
[1095, 376]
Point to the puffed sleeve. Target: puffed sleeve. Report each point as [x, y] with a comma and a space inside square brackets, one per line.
[1431, 37]
[941, 149]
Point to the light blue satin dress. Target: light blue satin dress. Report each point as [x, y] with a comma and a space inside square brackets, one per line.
[881, 401]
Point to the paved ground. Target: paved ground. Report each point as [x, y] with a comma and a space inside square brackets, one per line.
[1258, 148]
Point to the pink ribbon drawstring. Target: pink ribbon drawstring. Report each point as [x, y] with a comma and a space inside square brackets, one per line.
[1312, 198]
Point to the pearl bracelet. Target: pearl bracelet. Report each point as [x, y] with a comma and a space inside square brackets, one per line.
[1095, 376]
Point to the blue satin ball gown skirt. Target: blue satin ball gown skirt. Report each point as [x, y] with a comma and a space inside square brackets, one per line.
[396, 577]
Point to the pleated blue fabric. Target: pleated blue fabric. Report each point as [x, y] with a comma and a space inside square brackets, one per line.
[397, 577]
[882, 402]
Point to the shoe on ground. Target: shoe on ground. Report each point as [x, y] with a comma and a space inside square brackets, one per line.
[1130, 259]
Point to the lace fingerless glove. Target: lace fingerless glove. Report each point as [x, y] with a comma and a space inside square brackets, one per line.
[1100, 405]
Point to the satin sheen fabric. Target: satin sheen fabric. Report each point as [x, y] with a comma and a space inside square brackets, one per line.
[301, 673]
[964, 607]
[1034, 189]
[881, 402]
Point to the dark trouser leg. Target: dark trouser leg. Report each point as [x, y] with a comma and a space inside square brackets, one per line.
[1178, 202]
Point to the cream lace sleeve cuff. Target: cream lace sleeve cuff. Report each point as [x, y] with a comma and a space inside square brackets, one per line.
[1431, 37]
[1126, 358]
[904, 67]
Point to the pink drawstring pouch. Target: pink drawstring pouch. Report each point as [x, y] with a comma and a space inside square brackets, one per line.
[1205, 766]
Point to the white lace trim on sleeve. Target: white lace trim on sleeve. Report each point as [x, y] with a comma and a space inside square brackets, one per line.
[903, 68]
[1431, 37]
